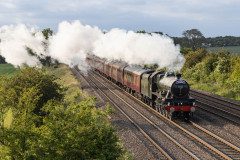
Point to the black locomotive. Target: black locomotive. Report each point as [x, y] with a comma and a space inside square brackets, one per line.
[167, 93]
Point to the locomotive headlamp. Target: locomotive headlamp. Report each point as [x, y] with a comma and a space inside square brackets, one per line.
[193, 109]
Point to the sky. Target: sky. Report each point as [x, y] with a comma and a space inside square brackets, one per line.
[172, 17]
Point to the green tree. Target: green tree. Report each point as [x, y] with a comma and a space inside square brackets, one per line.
[185, 50]
[141, 31]
[47, 32]
[44, 60]
[194, 57]
[195, 38]
[210, 62]
[68, 129]
[13, 87]
[2, 60]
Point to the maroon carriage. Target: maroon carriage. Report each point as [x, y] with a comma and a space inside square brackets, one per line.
[132, 77]
[117, 71]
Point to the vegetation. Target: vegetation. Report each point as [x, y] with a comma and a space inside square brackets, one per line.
[7, 69]
[231, 49]
[194, 39]
[2, 60]
[213, 72]
[39, 120]
[223, 41]
[44, 60]
[47, 32]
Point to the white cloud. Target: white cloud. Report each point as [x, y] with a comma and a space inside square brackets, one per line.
[74, 5]
[151, 14]
[8, 4]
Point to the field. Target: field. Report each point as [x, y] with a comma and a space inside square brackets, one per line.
[231, 49]
[7, 69]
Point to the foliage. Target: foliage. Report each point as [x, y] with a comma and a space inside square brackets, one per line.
[81, 131]
[70, 129]
[194, 57]
[2, 60]
[151, 66]
[195, 38]
[185, 50]
[223, 41]
[30, 78]
[213, 72]
[44, 60]
[141, 31]
[231, 49]
[7, 69]
[47, 32]
[150, 33]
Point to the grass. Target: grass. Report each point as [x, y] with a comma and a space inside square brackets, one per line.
[68, 80]
[7, 69]
[231, 49]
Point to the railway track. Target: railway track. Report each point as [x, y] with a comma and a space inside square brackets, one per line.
[100, 91]
[108, 93]
[218, 106]
[218, 100]
[223, 147]
[217, 145]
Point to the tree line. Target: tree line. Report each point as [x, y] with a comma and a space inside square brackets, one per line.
[194, 39]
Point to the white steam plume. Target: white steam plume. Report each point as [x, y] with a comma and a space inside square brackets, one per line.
[74, 40]
[13, 43]
[136, 48]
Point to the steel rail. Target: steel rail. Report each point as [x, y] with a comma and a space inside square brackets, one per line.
[153, 124]
[217, 114]
[176, 125]
[217, 100]
[135, 124]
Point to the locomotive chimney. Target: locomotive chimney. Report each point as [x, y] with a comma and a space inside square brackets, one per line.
[179, 75]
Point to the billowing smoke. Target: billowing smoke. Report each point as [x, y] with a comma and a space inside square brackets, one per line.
[136, 48]
[13, 43]
[74, 40]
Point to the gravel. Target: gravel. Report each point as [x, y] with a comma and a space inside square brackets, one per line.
[141, 148]
[197, 149]
[219, 126]
[132, 139]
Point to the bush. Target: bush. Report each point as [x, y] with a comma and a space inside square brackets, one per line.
[194, 57]
[67, 130]
[214, 72]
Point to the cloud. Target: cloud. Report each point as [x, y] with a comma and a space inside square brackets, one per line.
[162, 15]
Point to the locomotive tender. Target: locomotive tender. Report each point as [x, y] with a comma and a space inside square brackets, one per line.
[163, 91]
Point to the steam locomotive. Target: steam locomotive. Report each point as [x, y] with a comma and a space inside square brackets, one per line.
[165, 92]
